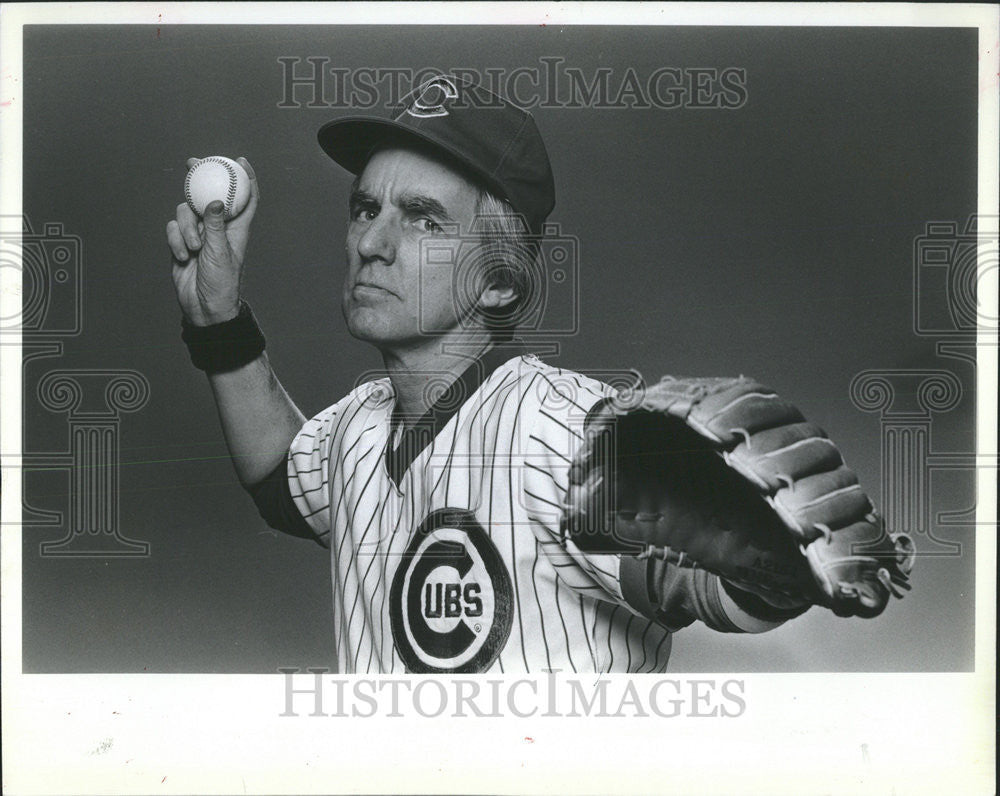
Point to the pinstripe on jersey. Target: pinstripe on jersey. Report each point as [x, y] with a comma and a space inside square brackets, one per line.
[500, 464]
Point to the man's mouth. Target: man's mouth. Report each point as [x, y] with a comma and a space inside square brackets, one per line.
[371, 288]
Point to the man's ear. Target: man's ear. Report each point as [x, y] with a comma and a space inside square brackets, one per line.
[495, 297]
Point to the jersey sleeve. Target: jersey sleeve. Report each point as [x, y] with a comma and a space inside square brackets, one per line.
[308, 472]
[554, 438]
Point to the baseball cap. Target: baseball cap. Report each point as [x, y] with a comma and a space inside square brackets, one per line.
[495, 140]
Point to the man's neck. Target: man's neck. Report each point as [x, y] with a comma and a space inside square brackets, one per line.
[419, 375]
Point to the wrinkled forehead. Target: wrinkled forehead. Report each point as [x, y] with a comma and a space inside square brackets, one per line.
[393, 170]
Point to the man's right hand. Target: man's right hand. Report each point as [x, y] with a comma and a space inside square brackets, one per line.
[207, 257]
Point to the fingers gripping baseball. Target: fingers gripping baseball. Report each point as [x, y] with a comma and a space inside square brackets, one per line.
[208, 255]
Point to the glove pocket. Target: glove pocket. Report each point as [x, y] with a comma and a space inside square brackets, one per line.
[666, 491]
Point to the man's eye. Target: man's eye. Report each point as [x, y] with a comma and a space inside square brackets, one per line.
[426, 225]
[364, 214]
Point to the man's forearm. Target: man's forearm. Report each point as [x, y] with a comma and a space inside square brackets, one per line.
[258, 418]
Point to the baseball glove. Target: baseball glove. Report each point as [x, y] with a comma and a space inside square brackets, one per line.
[723, 474]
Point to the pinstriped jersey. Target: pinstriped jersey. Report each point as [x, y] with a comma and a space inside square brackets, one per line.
[445, 548]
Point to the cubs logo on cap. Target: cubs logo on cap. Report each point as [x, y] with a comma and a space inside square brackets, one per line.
[432, 98]
[480, 132]
[450, 605]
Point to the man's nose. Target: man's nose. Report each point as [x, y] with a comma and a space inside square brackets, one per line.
[379, 240]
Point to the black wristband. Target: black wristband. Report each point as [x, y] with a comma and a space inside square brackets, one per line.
[224, 346]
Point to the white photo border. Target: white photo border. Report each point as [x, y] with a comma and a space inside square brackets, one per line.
[799, 733]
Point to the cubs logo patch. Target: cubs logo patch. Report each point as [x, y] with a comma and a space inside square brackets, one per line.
[451, 602]
[431, 98]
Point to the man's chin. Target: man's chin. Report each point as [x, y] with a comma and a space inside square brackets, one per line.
[370, 327]
[365, 333]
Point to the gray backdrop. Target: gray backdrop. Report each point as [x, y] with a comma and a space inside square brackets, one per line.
[775, 239]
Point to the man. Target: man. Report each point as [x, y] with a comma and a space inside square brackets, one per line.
[440, 491]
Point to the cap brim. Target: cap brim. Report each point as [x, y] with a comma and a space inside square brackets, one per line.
[351, 140]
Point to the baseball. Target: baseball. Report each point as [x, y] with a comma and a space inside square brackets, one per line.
[219, 178]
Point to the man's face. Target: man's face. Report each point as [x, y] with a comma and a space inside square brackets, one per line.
[402, 197]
